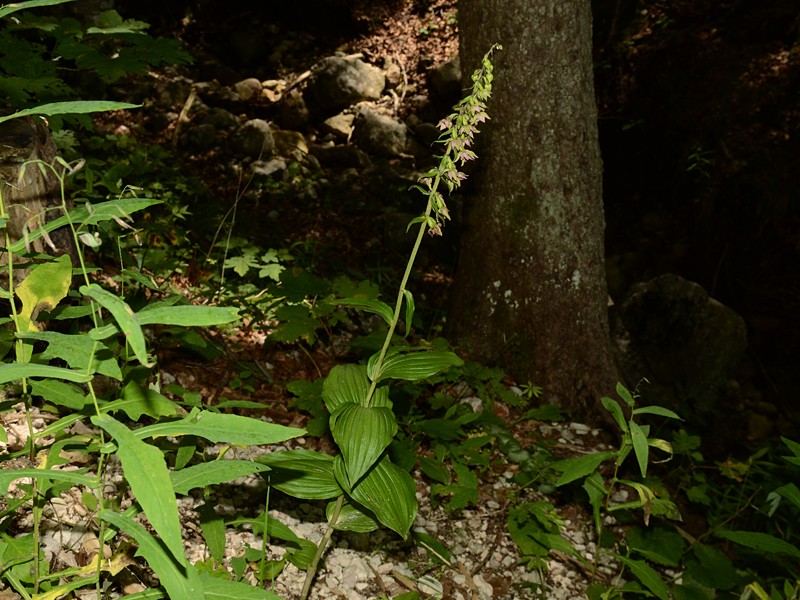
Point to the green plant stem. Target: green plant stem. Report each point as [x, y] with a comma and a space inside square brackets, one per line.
[312, 568]
[423, 227]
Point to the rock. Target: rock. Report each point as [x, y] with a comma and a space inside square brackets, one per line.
[248, 89]
[339, 126]
[339, 82]
[670, 331]
[342, 156]
[290, 144]
[267, 169]
[393, 73]
[200, 137]
[293, 113]
[427, 134]
[253, 140]
[379, 134]
[221, 119]
[446, 81]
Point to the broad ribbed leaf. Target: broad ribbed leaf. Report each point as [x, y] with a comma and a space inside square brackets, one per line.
[575, 468]
[123, 315]
[178, 577]
[352, 518]
[345, 384]
[371, 306]
[412, 366]
[387, 491]
[302, 474]
[147, 474]
[362, 434]
[212, 473]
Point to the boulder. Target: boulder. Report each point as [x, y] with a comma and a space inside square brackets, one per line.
[379, 135]
[445, 81]
[685, 343]
[293, 113]
[268, 169]
[253, 140]
[339, 82]
[248, 89]
[339, 126]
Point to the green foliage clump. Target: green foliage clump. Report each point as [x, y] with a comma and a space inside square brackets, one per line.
[41, 55]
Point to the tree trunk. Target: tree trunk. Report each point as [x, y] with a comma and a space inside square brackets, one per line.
[30, 191]
[530, 291]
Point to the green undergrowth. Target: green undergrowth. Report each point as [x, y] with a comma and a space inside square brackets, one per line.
[78, 346]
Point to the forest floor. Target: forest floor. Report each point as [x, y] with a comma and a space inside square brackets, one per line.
[347, 235]
[485, 562]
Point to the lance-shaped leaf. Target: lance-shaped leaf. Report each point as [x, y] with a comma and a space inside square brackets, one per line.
[16, 371]
[73, 477]
[147, 474]
[75, 107]
[576, 468]
[640, 446]
[87, 214]
[615, 409]
[411, 366]
[212, 473]
[188, 315]
[219, 428]
[409, 309]
[303, 474]
[179, 578]
[123, 315]
[386, 490]
[362, 434]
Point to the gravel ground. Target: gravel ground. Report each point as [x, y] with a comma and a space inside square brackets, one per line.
[484, 563]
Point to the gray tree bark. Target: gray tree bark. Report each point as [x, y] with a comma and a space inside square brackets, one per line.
[530, 290]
